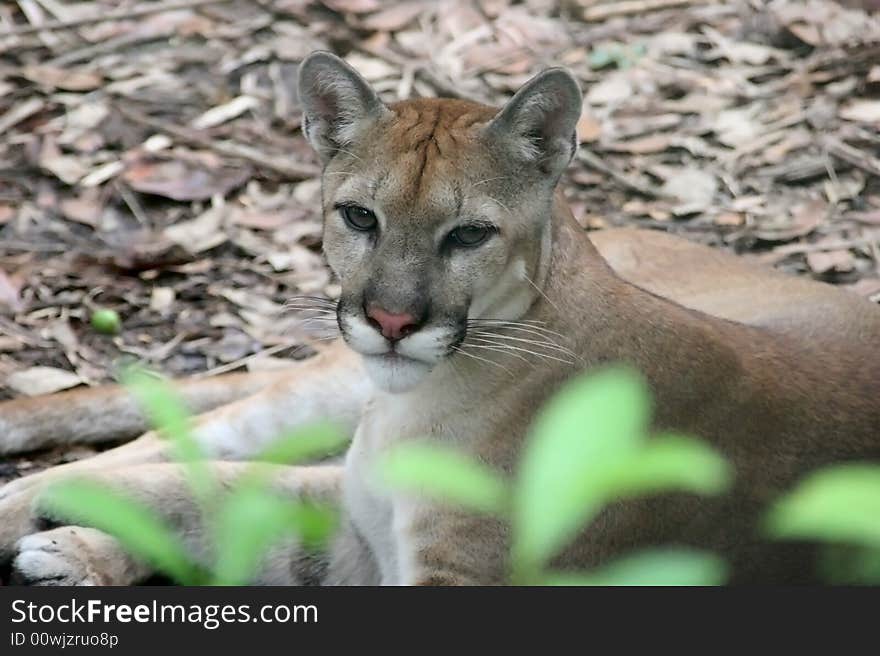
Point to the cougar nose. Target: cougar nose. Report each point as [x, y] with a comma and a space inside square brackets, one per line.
[392, 326]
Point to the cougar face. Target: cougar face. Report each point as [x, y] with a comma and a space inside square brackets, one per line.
[436, 212]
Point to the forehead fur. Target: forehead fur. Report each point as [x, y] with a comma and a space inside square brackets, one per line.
[435, 124]
[426, 154]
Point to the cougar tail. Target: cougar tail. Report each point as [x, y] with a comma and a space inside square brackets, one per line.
[110, 413]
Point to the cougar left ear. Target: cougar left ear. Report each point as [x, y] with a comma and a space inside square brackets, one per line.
[538, 123]
[337, 102]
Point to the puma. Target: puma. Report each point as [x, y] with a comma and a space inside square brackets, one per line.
[469, 295]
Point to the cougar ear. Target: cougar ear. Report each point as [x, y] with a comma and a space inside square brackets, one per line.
[336, 101]
[538, 123]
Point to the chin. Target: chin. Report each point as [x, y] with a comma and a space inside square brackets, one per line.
[395, 373]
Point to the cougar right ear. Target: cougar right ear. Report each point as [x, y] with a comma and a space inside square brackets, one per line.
[538, 123]
[336, 101]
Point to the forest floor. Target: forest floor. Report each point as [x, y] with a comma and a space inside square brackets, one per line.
[152, 162]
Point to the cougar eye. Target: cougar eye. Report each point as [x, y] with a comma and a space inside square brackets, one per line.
[358, 218]
[470, 235]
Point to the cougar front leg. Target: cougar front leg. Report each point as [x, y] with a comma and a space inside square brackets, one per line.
[439, 545]
[70, 555]
[328, 387]
[109, 413]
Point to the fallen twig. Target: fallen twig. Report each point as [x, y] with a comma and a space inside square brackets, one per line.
[241, 362]
[626, 181]
[851, 155]
[289, 169]
[19, 112]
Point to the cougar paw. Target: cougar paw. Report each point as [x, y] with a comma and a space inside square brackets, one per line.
[61, 556]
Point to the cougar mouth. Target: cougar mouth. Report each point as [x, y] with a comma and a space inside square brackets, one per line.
[394, 372]
[397, 365]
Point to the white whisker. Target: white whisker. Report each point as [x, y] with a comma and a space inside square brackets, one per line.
[480, 182]
[349, 153]
[541, 292]
[522, 326]
[534, 342]
[458, 349]
[505, 347]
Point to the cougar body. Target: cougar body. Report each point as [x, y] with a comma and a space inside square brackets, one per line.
[469, 296]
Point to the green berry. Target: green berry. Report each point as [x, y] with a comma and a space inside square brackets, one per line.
[106, 322]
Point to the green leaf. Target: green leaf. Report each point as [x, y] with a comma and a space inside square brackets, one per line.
[838, 504]
[602, 57]
[594, 424]
[161, 404]
[671, 462]
[140, 531]
[847, 564]
[168, 415]
[443, 474]
[654, 567]
[253, 520]
[307, 444]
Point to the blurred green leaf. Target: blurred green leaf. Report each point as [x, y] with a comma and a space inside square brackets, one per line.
[850, 564]
[140, 531]
[621, 55]
[168, 415]
[160, 403]
[671, 462]
[838, 504]
[654, 567]
[252, 520]
[443, 473]
[594, 424]
[308, 444]
[601, 57]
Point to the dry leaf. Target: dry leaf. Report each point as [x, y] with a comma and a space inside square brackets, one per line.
[372, 68]
[183, 181]
[66, 168]
[10, 344]
[260, 220]
[395, 17]
[730, 219]
[84, 209]
[225, 112]
[840, 261]
[10, 288]
[734, 127]
[161, 299]
[614, 89]
[862, 110]
[694, 189]
[588, 127]
[353, 6]
[63, 78]
[200, 234]
[801, 221]
[42, 380]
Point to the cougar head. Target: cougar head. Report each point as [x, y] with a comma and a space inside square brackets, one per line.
[436, 212]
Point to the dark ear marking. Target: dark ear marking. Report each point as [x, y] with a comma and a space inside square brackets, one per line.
[337, 102]
[537, 125]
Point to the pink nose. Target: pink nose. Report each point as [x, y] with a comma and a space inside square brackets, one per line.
[392, 326]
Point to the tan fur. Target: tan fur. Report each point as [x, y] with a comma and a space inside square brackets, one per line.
[110, 413]
[782, 375]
